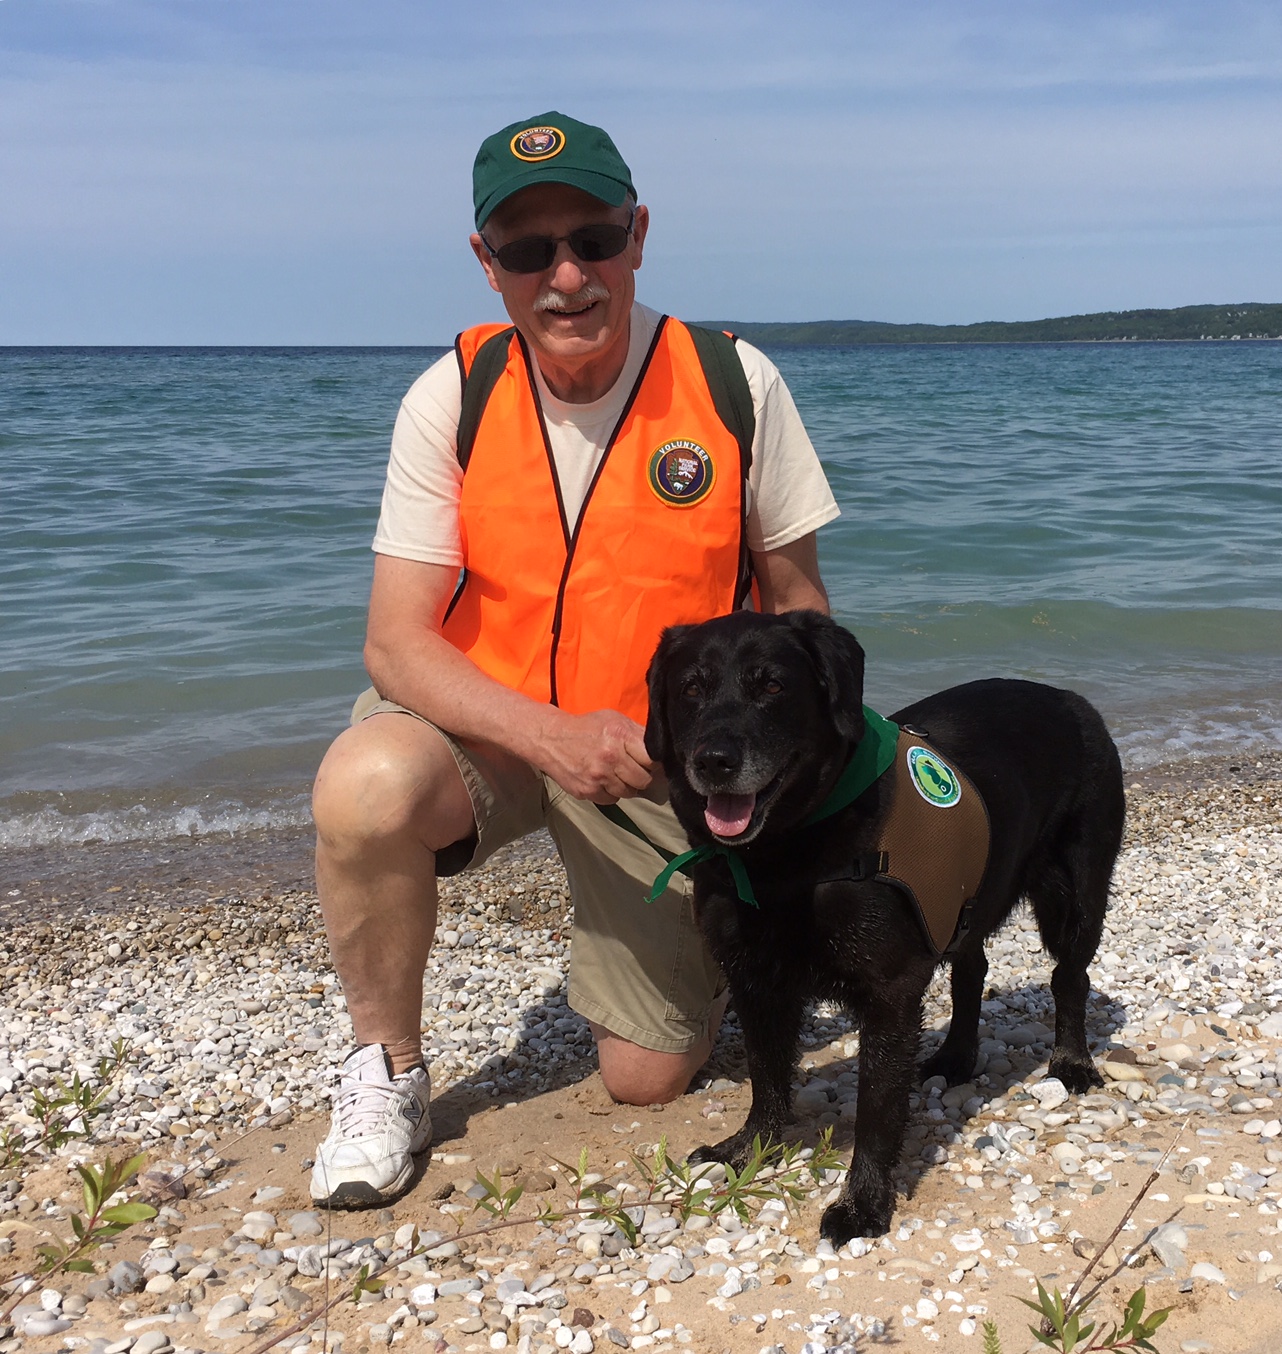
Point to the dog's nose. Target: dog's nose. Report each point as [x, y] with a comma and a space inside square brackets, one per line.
[717, 760]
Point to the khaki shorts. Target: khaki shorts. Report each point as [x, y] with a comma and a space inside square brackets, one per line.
[639, 969]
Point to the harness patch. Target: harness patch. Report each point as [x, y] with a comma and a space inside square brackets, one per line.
[681, 473]
[933, 778]
[538, 143]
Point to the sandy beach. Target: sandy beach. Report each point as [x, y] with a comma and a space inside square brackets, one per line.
[206, 960]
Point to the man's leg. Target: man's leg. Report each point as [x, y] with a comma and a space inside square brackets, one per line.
[639, 971]
[388, 797]
[635, 1075]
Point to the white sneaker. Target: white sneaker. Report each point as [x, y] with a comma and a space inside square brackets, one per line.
[379, 1122]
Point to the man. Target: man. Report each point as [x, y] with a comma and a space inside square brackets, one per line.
[511, 696]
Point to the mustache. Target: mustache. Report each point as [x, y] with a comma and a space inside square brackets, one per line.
[579, 300]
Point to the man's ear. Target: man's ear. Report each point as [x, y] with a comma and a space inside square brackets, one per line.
[658, 734]
[486, 260]
[838, 659]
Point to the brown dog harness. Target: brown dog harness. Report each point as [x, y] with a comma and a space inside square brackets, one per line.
[933, 840]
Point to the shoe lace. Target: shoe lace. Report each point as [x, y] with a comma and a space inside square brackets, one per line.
[359, 1107]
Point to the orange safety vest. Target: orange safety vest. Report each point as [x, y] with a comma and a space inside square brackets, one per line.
[570, 613]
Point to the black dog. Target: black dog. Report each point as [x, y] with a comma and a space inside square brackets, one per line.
[754, 718]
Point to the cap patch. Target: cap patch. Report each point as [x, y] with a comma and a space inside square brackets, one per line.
[681, 472]
[933, 778]
[538, 143]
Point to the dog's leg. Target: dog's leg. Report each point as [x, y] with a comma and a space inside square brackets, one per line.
[771, 1024]
[955, 1061]
[1069, 902]
[888, 1040]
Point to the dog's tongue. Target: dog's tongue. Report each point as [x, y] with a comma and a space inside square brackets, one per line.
[728, 815]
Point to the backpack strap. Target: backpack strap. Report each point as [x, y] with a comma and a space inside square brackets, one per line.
[478, 383]
[732, 400]
[728, 386]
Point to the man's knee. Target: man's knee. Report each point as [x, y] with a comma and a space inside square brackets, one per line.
[643, 1076]
[389, 777]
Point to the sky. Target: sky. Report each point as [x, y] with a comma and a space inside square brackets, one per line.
[298, 171]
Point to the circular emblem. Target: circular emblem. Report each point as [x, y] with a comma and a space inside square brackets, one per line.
[538, 143]
[681, 472]
[936, 781]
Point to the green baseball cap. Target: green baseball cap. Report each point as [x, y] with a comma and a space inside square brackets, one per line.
[550, 148]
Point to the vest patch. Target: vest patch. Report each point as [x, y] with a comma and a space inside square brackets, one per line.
[681, 472]
[538, 143]
[933, 778]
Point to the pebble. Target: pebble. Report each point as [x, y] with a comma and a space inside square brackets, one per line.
[126, 1277]
[48, 1323]
[151, 1342]
[1049, 1094]
[1168, 1243]
[1205, 1270]
[226, 1308]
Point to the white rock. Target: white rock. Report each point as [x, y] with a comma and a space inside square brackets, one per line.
[1204, 1270]
[1049, 1094]
[1068, 1157]
[1121, 1071]
[225, 1308]
[44, 1323]
[151, 1342]
[258, 1226]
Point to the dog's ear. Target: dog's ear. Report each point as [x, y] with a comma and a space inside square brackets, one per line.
[658, 735]
[838, 658]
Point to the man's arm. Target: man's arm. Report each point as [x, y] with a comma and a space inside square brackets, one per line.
[599, 756]
[788, 578]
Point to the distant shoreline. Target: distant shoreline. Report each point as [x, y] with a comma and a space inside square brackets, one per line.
[1250, 322]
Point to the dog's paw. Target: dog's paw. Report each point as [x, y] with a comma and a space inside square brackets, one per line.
[1077, 1076]
[731, 1152]
[846, 1219]
[955, 1068]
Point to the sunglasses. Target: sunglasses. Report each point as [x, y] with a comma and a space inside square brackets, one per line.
[589, 244]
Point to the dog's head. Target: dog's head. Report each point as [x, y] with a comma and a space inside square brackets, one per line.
[753, 717]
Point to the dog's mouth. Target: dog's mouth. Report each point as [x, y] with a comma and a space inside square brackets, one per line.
[737, 818]
[729, 815]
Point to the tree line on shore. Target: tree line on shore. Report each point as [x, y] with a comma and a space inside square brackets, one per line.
[1249, 320]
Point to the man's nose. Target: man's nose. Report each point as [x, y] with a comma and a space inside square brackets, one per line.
[567, 271]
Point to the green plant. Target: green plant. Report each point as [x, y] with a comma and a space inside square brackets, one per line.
[11, 1146]
[774, 1171]
[1135, 1331]
[103, 1220]
[1063, 1329]
[67, 1109]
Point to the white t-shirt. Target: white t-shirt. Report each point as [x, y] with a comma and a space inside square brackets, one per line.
[789, 496]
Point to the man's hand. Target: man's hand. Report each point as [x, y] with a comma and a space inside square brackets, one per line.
[599, 756]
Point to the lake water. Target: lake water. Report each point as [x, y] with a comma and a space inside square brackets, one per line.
[184, 554]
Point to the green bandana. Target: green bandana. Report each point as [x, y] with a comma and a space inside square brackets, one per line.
[873, 757]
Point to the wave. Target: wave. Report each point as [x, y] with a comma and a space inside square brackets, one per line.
[140, 822]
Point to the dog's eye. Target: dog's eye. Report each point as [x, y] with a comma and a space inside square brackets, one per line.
[772, 687]
[692, 691]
